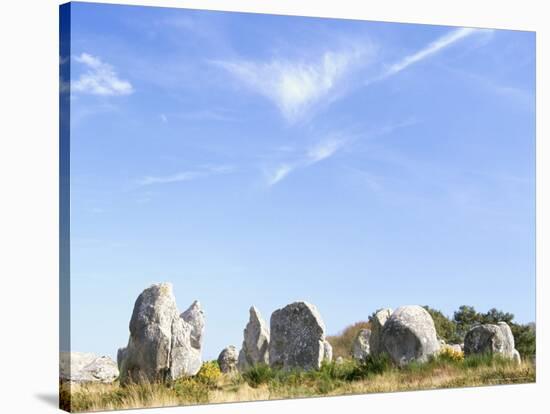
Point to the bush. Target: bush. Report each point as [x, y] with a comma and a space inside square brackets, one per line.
[258, 374]
[209, 374]
[371, 365]
[525, 339]
[450, 355]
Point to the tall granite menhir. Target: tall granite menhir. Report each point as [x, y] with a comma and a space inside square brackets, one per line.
[255, 348]
[163, 344]
[298, 338]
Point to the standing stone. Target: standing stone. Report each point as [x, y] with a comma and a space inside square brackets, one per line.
[255, 348]
[361, 345]
[297, 337]
[162, 345]
[490, 339]
[409, 335]
[227, 360]
[194, 316]
[377, 323]
[87, 367]
[327, 351]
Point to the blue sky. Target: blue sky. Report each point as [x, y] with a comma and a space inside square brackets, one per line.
[255, 159]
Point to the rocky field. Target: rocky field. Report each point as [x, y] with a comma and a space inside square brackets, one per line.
[292, 357]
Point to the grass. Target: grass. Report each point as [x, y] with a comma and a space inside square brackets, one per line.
[263, 383]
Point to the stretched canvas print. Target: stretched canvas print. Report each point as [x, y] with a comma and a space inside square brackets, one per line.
[259, 207]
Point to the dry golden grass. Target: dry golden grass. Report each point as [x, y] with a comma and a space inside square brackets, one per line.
[233, 388]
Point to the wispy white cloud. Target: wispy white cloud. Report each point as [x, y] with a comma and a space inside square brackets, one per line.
[322, 150]
[186, 175]
[100, 78]
[431, 49]
[279, 173]
[329, 147]
[295, 86]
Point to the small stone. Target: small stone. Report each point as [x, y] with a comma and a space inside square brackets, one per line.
[227, 360]
[327, 351]
[361, 345]
[84, 367]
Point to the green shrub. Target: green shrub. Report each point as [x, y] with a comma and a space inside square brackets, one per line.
[525, 339]
[258, 374]
[378, 364]
[371, 365]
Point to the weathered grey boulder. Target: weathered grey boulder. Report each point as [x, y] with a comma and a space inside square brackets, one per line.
[361, 345]
[409, 335]
[377, 323]
[297, 337]
[490, 339]
[227, 360]
[87, 367]
[327, 351]
[162, 345]
[255, 348]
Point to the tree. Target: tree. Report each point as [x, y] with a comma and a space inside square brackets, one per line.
[444, 327]
[465, 318]
[525, 338]
[495, 316]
